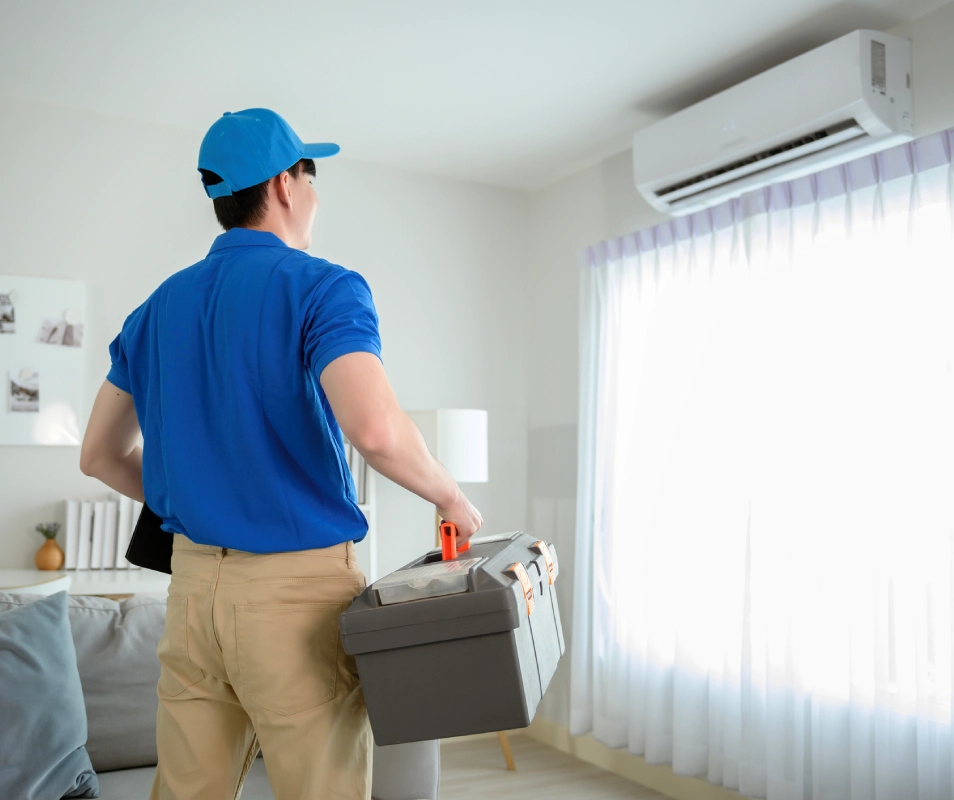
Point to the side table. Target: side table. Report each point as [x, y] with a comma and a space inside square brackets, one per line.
[114, 583]
[34, 581]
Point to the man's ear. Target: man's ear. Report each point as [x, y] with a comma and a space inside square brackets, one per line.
[283, 191]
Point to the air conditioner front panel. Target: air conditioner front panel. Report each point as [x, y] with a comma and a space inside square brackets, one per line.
[819, 90]
[769, 108]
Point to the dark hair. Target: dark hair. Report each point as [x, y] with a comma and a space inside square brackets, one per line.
[247, 206]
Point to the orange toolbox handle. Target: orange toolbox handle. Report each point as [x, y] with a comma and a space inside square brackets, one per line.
[449, 549]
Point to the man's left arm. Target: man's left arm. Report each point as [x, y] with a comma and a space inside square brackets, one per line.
[111, 449]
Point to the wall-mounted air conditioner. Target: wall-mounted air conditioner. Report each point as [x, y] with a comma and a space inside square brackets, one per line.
[843, 100]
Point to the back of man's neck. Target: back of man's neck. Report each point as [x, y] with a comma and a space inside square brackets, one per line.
[272, 226]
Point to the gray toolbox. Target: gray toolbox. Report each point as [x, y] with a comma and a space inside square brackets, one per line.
[451, 648]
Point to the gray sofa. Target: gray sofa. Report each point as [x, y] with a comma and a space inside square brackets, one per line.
[115, 645]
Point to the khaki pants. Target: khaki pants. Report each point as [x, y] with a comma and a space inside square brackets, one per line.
[251, 658]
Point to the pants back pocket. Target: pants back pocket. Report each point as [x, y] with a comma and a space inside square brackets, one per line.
[287, 654]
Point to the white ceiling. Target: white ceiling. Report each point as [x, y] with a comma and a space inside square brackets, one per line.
[515, 93]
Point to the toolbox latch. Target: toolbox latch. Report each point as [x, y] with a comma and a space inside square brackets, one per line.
[543, 550]
[520, 573]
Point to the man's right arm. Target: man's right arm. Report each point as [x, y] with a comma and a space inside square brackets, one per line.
[368, 412]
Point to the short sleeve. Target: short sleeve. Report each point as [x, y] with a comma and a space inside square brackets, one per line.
[339, 319]
[119, 372]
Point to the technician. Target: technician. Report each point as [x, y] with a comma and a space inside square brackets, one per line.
[241, 373]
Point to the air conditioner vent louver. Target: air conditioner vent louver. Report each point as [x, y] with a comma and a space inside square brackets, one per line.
[755, 158]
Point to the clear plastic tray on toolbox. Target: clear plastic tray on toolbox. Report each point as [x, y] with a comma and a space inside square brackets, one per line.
[500, 537]
[430, 580]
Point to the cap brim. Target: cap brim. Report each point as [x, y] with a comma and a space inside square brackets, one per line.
[319, 150]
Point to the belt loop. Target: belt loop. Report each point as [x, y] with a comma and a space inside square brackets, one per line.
[349, 554]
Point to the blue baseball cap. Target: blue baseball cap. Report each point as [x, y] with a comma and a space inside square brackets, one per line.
[249, 147]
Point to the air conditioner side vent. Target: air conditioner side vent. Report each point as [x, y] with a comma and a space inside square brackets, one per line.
[764, 155]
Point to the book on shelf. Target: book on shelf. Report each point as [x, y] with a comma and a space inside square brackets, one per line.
[359, 472]
[99, 534]
[109, 537]
[124, 531]
[72, 532]
[85, 535]
[137, 510]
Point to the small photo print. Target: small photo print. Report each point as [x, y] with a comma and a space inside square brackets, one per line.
[59, 331]
[25, 391]
[8, 317]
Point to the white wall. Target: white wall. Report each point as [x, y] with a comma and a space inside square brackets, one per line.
[601, 203]
[931, 37]
[117, 203]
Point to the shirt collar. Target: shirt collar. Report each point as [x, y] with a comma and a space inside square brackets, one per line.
[243, 237]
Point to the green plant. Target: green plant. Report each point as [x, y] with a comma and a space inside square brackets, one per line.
[48, 529]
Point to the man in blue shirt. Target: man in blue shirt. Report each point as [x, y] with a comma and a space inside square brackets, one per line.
[241, 373]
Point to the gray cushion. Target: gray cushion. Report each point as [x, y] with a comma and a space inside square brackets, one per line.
[116, 653]
[130, 784]
[41, 755]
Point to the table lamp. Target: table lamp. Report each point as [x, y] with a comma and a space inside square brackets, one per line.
[458, 439]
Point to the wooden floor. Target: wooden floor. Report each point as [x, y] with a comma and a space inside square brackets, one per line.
[475, 768]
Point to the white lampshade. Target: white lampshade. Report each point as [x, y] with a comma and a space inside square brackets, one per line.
[458, 439]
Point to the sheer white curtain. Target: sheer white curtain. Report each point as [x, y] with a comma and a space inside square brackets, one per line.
[766, 487]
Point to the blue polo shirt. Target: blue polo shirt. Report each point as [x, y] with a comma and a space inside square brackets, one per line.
[241, 448]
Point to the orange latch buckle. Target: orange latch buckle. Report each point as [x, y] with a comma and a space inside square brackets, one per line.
[520, 572]
[545, 552]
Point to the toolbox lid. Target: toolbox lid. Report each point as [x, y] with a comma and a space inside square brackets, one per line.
[431, 600]
[366, 614]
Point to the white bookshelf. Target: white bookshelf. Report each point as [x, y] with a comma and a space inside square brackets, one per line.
[367, 550]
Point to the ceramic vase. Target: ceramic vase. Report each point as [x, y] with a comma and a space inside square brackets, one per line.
[49, 556]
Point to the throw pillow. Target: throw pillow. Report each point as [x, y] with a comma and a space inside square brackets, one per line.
[43, 735]
[116, 655]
